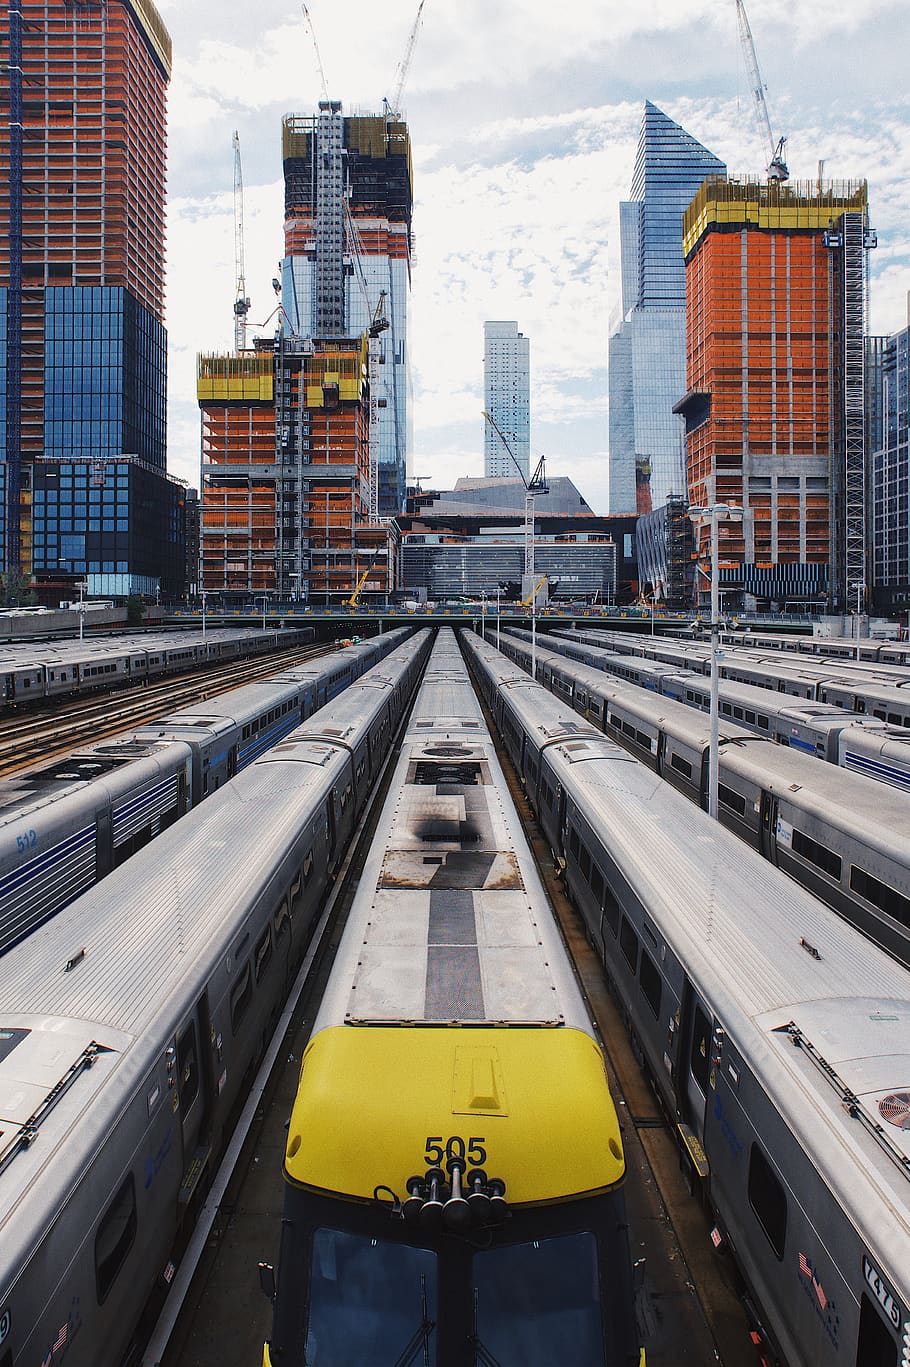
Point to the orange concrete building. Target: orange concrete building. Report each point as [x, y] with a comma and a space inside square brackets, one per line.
[768, 338]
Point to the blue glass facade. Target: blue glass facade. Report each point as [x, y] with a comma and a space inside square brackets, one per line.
[105, 376]
[891, 483]
[117, 522]
[647, 352]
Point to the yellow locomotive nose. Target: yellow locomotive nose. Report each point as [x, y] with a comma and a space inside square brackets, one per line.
[527, 1106]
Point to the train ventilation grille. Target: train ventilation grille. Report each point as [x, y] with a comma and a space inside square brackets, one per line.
[896, 1109]
[429, 775]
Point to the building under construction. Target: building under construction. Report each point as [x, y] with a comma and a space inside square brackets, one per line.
[310, 429]
[776, 287]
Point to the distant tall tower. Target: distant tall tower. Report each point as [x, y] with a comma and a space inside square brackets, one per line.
[82, 241]
[647, 351]
[774, 413]
[507, 398]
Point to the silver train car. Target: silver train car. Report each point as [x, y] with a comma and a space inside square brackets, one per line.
[812, 727]
[130, 1023]
[777, 1037]
[841, 836]
[68, 823]
[34, 672]
[453, 1188]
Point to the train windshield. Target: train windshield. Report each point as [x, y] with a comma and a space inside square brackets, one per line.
[371, 1300]
[539, 1303]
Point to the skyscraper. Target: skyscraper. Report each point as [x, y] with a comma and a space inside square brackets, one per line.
[507, 399]
[774, 411]
[891, 482]
[647, 351]
[82, 199]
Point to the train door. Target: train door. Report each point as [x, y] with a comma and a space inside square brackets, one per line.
[193, 1086]
[768, 826]
[695, 1060]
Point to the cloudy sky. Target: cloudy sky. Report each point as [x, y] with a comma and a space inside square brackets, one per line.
[524, 120]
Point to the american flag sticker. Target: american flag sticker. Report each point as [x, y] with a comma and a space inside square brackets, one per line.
[60, 1340]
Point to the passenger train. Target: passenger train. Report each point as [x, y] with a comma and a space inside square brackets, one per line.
[34, 672]
[880, 690]
[454, 1162]
[777, 1037]
[845, 839]
[131, 1022]
[826, 730]
[68, 822]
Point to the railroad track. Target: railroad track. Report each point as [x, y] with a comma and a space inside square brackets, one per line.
[25, 739]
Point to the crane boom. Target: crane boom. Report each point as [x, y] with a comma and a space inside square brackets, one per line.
[309, 24]
[777, 167]
[395, 103]
[241, 301]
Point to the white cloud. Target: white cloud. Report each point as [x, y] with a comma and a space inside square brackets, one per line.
[524, 126]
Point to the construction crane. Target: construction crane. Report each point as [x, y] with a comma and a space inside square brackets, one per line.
[322, 80]
[393, 106]
[777, 167]
[358, 587]
[537, 484]
[241, 301]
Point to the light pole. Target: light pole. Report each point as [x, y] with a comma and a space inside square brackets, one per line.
[498, 587]
[82, 586]
[716, 512]
[203, 595]
[858, 586]
[483, 614]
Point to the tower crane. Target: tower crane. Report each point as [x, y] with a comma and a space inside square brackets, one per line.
[777, 167]
[537, 484]
[241, 301]
[393, 106]
[312, 31]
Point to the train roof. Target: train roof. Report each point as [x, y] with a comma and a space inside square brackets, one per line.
[49, 780]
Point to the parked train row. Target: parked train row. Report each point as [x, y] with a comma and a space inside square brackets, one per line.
[867, 744]
[851, 687]
[844, 838]
[129, 1025]
[452, 1196]
[776, 1035]
[68, 823]
[35, 671]
[836, 648]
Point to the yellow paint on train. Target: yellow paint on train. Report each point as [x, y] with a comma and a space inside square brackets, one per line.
[377, 1105]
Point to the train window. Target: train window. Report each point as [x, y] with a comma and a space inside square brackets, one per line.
[584, 863]
[187, 1067]
[263, 953]
[875, 1346]
[735, 801]
[241, 996]
[817, 854]
[763, 722]
[573, 843]
[629, 729]
[750, 717]
[649, 978]
[887, 899]
[597, 883]
[628, 943]
[307, 867]
[613, 720]
[282, 919]
[768, 1200]
[114, 1239]
[726, 708]
[681, 765]
[894, 719]
[738, 713]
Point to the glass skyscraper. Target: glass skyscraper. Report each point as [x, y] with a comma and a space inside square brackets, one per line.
[83, 370]
[647, 351]
[507, 396]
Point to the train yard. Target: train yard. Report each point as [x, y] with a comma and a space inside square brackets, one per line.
[514, 1200]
